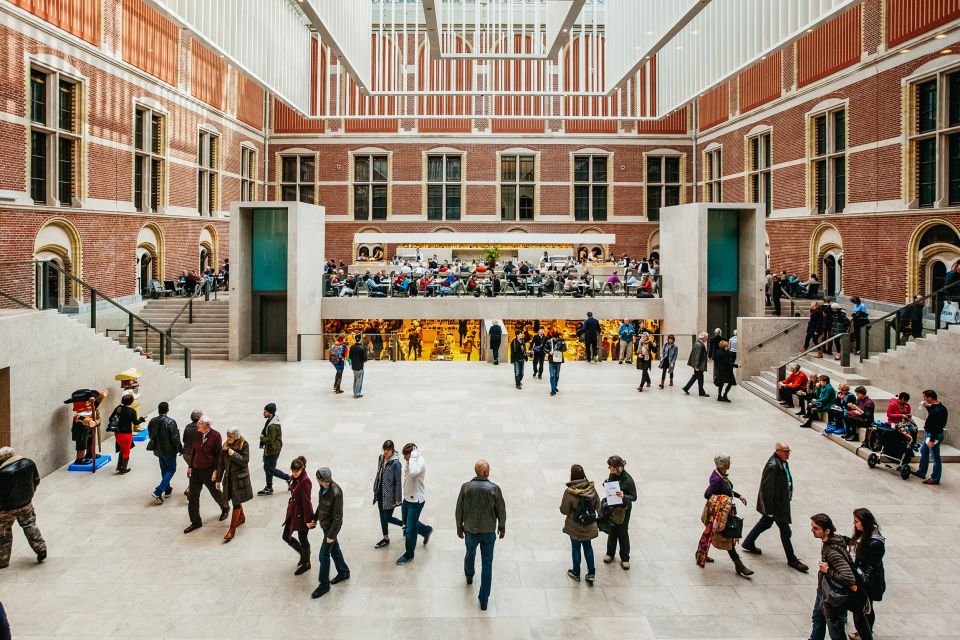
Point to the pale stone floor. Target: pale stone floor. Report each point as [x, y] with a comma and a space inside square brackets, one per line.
[119, 565]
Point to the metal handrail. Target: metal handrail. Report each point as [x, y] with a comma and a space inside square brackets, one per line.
[20, 303]
[189, 303]
[844, 354]
[131, 316]
[782, 332]
[864, 338]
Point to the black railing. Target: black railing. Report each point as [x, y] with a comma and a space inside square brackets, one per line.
[45, 268]
[203, 290]
[892, 323]
[844, 354]
[782, 332]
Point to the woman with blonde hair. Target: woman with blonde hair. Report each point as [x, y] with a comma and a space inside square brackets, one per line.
[233, 472]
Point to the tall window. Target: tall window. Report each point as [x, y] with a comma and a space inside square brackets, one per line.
[149, 159]
[248, 174]
[935, 140]
[54, 138]
[298, 178]
[370, 173]
[590, 187]
[663, 184]
[759, 173]
[829, 162]
[444, 179]
[712, 168]
[517, 187]
[208, 173]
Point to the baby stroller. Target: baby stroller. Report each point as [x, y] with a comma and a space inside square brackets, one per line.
[892, 447]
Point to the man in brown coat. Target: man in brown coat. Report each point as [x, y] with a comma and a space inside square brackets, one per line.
[203, 472]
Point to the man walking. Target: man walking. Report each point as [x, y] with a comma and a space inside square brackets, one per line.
[590, 334]
[18, 482]
[189, 437]
[329, 517]
[481, 516]
[496, 334]
[539, 346]
[165, 443]
[202, 472]
[357, 356]
[697, 360]
[462, 330]
[934, 426]
[338, 354]
[837, 575]
[773, 504]
[518, 356]
[414, 498]
[626, 332]
[271, 441]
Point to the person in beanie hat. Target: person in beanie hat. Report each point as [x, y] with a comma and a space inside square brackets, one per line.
[271, 442]
[329, 516]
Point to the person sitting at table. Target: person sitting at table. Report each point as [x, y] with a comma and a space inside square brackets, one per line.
[535, 284]
[449, 285]
[612, 282]
[569, 285]
[423, 284]
[510, 271]
[349, 287]
[645, 288]
[473, 287]
[335, 284]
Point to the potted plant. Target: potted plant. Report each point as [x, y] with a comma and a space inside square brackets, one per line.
[490, 256]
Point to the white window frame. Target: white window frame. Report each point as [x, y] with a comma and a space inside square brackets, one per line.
[370, 183]
[518, 184]
[298, 184]
[249, 171]
[444, 183]
[208, 172]
[713, 175]
[590, 184]
[760, 166]
[662, 185]
[54, 133]
[829, 157]
[148, 155]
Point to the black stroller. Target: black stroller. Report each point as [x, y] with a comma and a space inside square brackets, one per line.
[892, 447]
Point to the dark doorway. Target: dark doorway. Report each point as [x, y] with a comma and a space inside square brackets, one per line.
[146, 273]
[720, 314]
[938, 276]
[204, 257]
[830, 274]
[273, 324]
[5, 421]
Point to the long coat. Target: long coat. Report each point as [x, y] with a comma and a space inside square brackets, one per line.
[234, 474]
[299, 506]
[776, 490]
[698, 356]
[568, 507]
[723, 368]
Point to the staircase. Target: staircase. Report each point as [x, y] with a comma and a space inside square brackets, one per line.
[942, 345]
[207, 337]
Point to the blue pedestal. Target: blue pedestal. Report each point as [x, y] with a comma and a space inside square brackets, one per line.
[102, 460]
[141, 436]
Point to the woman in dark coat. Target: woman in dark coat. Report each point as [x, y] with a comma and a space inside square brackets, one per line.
[723, 366]
[234, 474]
[299, 512]
[867, 547]
[644, 351]
[619, 532]
[719, 508]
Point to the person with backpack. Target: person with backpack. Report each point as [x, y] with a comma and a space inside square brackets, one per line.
[164, 441]
[271, 441]
[580, 504]
[338, 354]
[357, 356]
[867, 547]
[840, 586]
[122, 421]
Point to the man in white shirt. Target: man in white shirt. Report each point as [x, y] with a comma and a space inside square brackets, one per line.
[414, 497]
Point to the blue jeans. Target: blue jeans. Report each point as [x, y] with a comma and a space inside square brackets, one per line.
[327, 551]
[486, 542]
[554, 375]
[822, 624]
[270, 469]
[410, 514]
[386, 517]
[587, 546]
[168, 467]
[928, 451]
[518, 371]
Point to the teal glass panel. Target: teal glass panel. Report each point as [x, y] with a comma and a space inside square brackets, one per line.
[269, 249]
[723, 251]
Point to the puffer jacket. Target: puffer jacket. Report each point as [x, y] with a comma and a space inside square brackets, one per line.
[568, 507]
[18, 481]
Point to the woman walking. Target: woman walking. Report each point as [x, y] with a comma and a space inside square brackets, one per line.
[387, 490]
[718, 515]
[299, 512]
[234, 474]
[867, 546]
[126, 419]
[620, 516]
[668, 360]
[581, 505]
[723, 366]
[644, 358]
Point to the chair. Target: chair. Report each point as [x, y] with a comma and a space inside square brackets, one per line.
[173, 285]
[157, 290]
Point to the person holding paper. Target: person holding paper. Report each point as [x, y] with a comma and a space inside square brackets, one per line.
[624, 494]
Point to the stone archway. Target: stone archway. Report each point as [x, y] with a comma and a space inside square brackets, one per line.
[59, 242]
[932, 241]
[208, 248]
[826, 258]
[149, 257]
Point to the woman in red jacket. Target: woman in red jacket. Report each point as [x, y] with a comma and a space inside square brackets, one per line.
[299, 512]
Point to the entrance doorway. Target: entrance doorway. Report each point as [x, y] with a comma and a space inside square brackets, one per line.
[833, 273]
[5, 422]
[720, 313]
[272, 329]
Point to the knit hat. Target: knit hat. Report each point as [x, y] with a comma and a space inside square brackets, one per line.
[324, 474]
[834, 306]
[271, 408]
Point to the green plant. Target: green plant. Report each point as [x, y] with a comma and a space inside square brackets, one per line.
[491, 255]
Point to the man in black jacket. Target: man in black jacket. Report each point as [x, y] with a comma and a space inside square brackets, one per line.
[19, 479]
[481, 516]
[773, 504]
[539, 346]
[590, 334]
[357, 356]
[698, 362]
[496, 334]
[329, 517]
[518, 356]
[165, 443]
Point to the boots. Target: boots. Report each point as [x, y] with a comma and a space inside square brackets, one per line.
[741, 568]
[243, 518]
[304, 565]
[122, 467]
[234, 523]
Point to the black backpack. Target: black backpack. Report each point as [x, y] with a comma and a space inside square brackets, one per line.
[585, 513]
[114, 421]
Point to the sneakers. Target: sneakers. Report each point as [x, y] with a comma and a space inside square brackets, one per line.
[624, 565]
[266, 491]
[426, 536]
[607, 559]
[157, 497]
[381, 544]
[591, 577]
[403, 560]
[573, 575]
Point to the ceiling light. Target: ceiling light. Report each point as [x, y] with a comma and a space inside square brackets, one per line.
[679, 46]
[809, 30]
[763, 57]
[649, 33]
[940, 36]
[695, 32]
[946, 51]
[904, 50]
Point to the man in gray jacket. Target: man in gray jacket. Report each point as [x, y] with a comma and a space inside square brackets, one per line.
[697, 360]
[329, 517]
[481, 516]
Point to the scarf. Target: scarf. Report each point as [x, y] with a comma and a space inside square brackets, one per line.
[715, 508]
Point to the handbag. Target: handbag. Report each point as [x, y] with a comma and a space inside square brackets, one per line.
[734, 528]
[556, 356]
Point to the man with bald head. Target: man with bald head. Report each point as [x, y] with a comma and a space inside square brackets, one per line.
[481, 516]
[773, 504]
